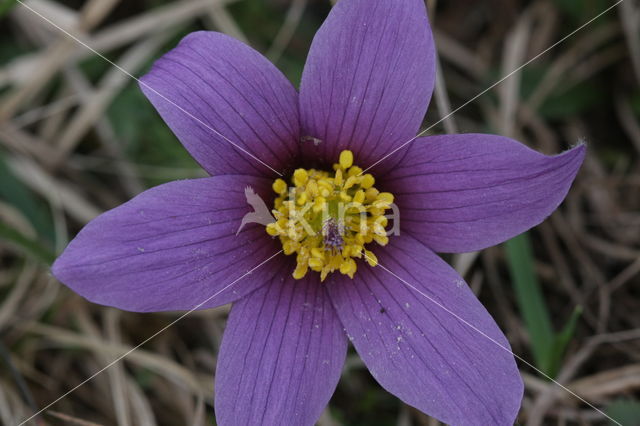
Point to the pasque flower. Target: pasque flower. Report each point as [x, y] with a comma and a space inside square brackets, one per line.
[364, 92]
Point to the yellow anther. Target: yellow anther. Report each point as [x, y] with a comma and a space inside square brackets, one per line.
[312, 188]
[386, 196]
[354, 171]
[378, 229]
[351, 180]
[319, 204]
[327, 217]
[346, 159]
[359, 197]
[367, 181]
[272, 229]
[383, 201]
[325, 187]
[300, 271]
[300, 177]
[315, 263]
[289, 247]
[370, 258]
[383, 240]
[345, 267]
[371, 194]
[382, 220]
[352, 268]
[338, 178]
[279, 186]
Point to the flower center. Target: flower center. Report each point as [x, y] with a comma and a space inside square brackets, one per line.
[326, 218]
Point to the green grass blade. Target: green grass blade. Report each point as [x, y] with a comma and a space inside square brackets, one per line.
[561, 341]
[28, 245]
[530, 301]
[16, 194]
[6, 6]
[625, 412]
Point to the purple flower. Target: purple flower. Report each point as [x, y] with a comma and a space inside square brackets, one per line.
[364, 92]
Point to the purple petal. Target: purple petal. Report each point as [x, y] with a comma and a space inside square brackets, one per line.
[368, 79]
[281, 355]
[172, 248]
[459, 193]
[212, 85]
[442, 354]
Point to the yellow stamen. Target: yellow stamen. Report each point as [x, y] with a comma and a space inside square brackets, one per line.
[371, 258]
[301, 271]
[300, 177]
[272, 229]
[337, 180]
[346, 159]
[280, 186]
[326, 218]
[367, 181]
[385, 196]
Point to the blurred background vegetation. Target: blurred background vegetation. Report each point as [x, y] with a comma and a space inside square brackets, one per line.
[77, 137]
